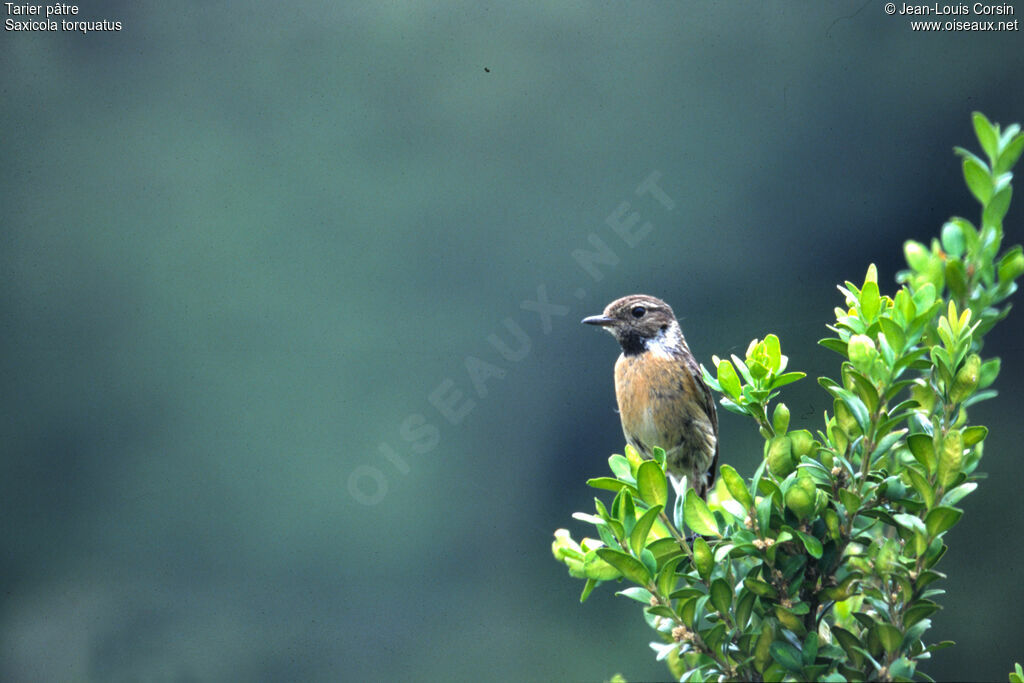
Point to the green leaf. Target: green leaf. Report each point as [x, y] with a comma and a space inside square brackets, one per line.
[658, 453]
[651, 483]
[687, 609]
[887, 442]
[953, 240]
[833, 344]
[916, 255]
[889, 636]
[850, 500]
[979, 397]
[996, 208]
[734, 407]
[714, 638]
[812, 544]
[787, 378]
[888, 355]
[999, 181]
[759, 587]
[685, 593]
[841, 591]
[974, 435]
[728, 378]
[763, 508]
[607, 533]
[923, 450]
[1010, 154]
[631, 568]
[721, 595]
[989, 372]
[978, 179]
[667, 576]
[585, 517]
[927, 578]
[620, 467]
[697, 515]
[638, 536]
[939, 646]
[647, 558]
[861, 384]
[909, 522]
[787, 656]
[768, 487]
[926, 301]
[941, 519]
[810, 649]
[918, 611]
[737, 487]
[742, 367]
[856, 406]
[893, 334]
[921, 485]
[665, 549]
[902, 669]
[848, 641]
[661, 611]
[744, 607]
[771, 343]
[869, 301]
[588, 588]
[609, 484]
[636, 593]
[951, 458]
[955, 495]
[703, 559]
[986, 135]
[834, 677]
[1011, 265]
[626, 510]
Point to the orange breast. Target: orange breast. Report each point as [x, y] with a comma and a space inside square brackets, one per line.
[660, 405]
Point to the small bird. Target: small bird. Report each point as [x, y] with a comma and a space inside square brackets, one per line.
[663, 400]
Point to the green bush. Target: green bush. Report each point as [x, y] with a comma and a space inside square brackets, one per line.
[822, 566]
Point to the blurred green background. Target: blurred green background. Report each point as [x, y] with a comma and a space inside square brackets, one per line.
[245, 244]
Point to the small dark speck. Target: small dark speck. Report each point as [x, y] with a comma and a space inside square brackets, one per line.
[487, 70]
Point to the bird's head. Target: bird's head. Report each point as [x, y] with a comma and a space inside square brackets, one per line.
[636, 320]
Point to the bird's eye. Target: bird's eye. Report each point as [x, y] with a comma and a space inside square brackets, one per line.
[638, 311]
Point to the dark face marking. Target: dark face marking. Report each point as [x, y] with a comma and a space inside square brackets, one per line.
[632, 342]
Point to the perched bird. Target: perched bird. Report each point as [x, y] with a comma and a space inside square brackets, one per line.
[663, 400]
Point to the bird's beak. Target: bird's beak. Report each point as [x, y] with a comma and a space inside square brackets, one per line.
[600, 320]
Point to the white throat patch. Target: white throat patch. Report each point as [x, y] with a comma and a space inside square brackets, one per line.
[661, 346]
